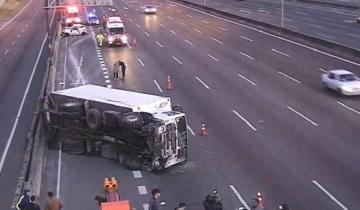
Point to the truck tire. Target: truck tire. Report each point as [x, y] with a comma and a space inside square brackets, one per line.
[131, 120]
[72, 115]
[93, 119]
[73, 146]
[110, 118]
[176, 108]
[147, 117]
[72, 107]
[133, 163]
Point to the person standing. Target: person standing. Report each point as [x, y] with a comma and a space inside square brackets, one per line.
[53, 203]
[116, 69]
[23, 201]
[154, 203]
[123, 69]
[33, 205]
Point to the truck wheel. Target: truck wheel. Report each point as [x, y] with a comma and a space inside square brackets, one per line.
[73, 146]
[73, 106]
[110, 118]
[131, 120]
[93, 119]
[147, 117]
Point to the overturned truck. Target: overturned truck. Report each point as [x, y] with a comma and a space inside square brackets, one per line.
[140, 130]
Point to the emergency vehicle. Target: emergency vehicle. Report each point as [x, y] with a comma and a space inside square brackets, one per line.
[115, 31]
[72, 15]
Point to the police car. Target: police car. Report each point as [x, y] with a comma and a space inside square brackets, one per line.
[92, 19]
[74, 30]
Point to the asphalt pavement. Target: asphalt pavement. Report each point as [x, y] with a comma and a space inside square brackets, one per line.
[272, 126]
[23, 54]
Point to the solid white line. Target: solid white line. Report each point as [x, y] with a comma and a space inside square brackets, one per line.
[12, 43]
[190, 16]
[216, 40]
[329, 195]
[203, 83]
[146, 33]
[142, 190]
[191, 130]
[140, 61]
[177, 60]
[173, 32]
[6, 51]
[137, 174]
[158, 43]
[323, 70]
[303, 116]
[19, 13]
[189, 42]
[241, 199]
[137, 25]
[349, 108]
[215, 59]
[197, 30]
[204, 21]
[58, 180]
[295, 80]
[224, 29]
[247, 79]
[243, 119]
[244, 37]
[11, 136]
[158, 86]
[277, 51]
[246, 55]
[274, 36]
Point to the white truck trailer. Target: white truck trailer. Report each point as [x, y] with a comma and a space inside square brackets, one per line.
[140, 130]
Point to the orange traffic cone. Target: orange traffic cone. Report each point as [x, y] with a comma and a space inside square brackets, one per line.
[169, 85]
[203, 130]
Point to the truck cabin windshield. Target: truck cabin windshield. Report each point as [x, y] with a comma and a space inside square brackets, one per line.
[113, 31]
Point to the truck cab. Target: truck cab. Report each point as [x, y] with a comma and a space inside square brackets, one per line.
[115, 31]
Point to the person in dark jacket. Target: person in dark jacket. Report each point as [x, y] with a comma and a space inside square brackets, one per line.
[154, 203]
[33, 205]
[24, 200]
[123, 68]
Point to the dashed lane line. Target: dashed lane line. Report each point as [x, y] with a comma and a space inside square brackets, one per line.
[213, 57]
[316, 26]
[137, 25]
[246, 38]
[107, 81]
[187, 41]
[323, 70]
[177, 60]
[173, 32]
[18, 36]
[141, 62]
[249, 81]
[216, 40]
[221, 28]
[245, 120]
[170, 17]
[137, 174]
[202, 82]
[190, 129]
[204, 21]
[158, 86]
[13, 42]
[162, 25]
[6, 51]
[142, 190]
[197, 30]
[349, 108]
[303, 116]
[182, 23]
[158, 43]
[246, 55]
[279, 52]
[190, 16]
[287, 76]
[245, 11]
[241, 199]
[342, 206]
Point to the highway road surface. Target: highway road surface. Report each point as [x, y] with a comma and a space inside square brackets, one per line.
[272, 126]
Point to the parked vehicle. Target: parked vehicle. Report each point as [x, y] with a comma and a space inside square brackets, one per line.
[342, 81]
[150, 9]
[140, 130]
[74, 30]
[115, 31]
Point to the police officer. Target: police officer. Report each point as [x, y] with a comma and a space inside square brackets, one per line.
[24, 200]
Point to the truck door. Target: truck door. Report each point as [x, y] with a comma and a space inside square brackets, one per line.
[171, 140]
[182, 137]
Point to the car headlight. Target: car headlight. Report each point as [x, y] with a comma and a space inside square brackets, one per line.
[124, 39]
[347, 89]
[147, 10]
[68, 20]
[153, 10]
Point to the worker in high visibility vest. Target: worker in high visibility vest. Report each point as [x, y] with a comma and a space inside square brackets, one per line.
[100, 39]
[23, 201]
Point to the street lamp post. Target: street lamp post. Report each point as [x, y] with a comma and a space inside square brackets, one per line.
[204, 2]
[282, 13]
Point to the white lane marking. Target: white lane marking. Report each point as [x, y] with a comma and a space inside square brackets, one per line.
[178, 11]
[146, 206]
[288, 19]
[243, 119]
[101, 60]
[12, 43]
[137, 25]
[323, 70]
[190, 16]
[303, 116]
[104, 68]
[107, 81]
[129, 46]
[173, 32]
[285, 75]
[204, 21]
[106, 76]
[190, 129]
[131, 19]
[142, 190]
[19, 13]
[177, 60]
[326, 36]
[102, 65]
[281, 53]
[244, 37]
[158, 86]
[349, 108]
[246, 55]
[170, 17]
[137, 174]
[316, 26]
[6, 51]
[241, 199]
[354, 35]
[216, 40]
[214, 58]
[221, 28]
[146, 33]
[11, 136]
[109, 86]
[203, 83]
[158, 43]
[140, 61]
[58, 179]
[244, 11]
[263, 11]
[161, 25]
[249, 81]
[187, 41]
[26, 25]
[300, 13]
[182, 23]
[329, 195]
[22, 30]
[273, 35]
[18, 36]
[197, 30]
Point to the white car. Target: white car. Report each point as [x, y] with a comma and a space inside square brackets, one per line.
[358, 20]
[342, 81]
[74, 30]
[150, 9]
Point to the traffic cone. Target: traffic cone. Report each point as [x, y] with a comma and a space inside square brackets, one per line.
[169, 85]
[134, 42]
[203, 130]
